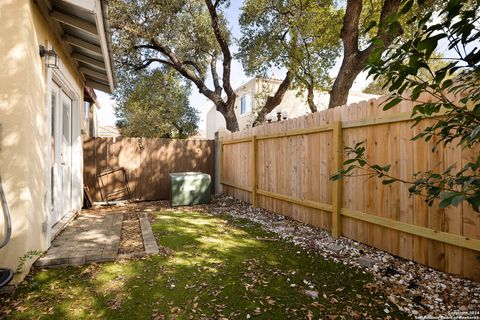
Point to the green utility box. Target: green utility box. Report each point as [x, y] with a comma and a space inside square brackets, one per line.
[189, 188]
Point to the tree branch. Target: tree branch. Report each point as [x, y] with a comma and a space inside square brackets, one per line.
[351, 21]
[147, 62]
[213, 70]
[195, 66]
[178, 65]
[227, 56]
[389, 7]
[276, 99]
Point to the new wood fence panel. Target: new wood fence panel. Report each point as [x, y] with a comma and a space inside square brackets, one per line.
[405, 171]
[436, 216]
[350, 113]
[295, 159]
[147, 163]
[470, 227]
[453, 219]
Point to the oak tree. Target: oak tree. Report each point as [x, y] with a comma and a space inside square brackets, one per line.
[161, 113]
[189, 36]
[298, 36]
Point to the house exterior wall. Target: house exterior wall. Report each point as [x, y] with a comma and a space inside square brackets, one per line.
[259, 88]
[25, 119]
[94, 124]
[214, 121]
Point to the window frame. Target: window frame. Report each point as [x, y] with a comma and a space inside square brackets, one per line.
[243, 104]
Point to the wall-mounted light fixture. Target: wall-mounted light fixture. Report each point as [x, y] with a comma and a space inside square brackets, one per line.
[51, 57]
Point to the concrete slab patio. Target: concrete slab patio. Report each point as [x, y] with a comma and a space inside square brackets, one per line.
[88, 238]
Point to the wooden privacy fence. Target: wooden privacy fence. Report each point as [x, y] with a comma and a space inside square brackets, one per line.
[285, 167]
[146, 164]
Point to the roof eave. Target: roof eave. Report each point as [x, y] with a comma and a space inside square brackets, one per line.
[103, 23]
[83, 27]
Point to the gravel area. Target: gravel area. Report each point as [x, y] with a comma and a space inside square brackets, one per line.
[418, 290]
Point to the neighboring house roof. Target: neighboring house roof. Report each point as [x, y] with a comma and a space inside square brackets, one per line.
[82, 28]
[108, 131]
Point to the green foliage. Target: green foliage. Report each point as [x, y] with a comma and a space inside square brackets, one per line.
[300, 36]
[378, 86]
[27, 256]
[154, 104]
[454, 105]
[370, 17]
[183, 26]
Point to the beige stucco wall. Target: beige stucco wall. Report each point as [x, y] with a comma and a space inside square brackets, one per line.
[25, 121]
[214, 121]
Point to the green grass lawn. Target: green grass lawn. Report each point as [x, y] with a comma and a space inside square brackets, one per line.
[218, 268]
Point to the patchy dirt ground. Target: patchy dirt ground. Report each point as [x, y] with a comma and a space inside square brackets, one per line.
[131, 239]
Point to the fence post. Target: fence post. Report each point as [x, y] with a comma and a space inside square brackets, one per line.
[337, 185]
[218, 162]
[254, 171]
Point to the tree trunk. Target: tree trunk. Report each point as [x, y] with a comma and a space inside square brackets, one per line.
[231, 121]
[354, 59]
[276, 99]
[227, 109]
[351, 67]
[310, 98]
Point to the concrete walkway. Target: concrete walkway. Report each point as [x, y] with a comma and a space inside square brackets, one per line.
[88, 238]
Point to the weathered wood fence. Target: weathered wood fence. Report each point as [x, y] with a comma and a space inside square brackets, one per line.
[285, 167]
[146, 162]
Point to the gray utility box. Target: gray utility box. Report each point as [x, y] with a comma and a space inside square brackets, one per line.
[189, 188]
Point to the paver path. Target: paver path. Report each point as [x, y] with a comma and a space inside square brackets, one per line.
[88, 238]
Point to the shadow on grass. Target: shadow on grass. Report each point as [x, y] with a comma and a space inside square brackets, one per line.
[219, 268]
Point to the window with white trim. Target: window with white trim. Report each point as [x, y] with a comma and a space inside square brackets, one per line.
[246, 104]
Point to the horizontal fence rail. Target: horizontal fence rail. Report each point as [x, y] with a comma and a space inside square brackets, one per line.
[285, 167]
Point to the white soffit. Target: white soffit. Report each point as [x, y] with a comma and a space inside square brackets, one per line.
[84, 29]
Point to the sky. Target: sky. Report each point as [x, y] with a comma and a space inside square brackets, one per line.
[199, 101]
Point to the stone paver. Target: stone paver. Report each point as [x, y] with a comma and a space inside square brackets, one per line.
[366, 262]
[149, 241]
[336, 248]
[88, 238]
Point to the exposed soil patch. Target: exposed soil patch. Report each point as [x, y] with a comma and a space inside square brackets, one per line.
[131, 239]
[127, 207]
